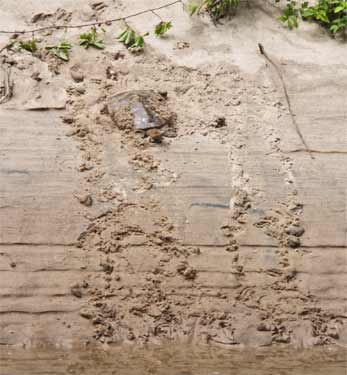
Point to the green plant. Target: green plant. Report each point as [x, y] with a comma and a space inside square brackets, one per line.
[162, 28]
[217, 9]
[290, 15]
[331, 14]
[92, 39]
[61, 50]
[339, 24]
[132, 40]
[29, 45]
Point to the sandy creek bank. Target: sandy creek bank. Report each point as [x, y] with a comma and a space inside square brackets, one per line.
[230, 231]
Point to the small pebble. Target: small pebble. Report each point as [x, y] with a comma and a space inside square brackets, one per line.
[81, 89]
[295, 231]
[293, 242]
[77, 75]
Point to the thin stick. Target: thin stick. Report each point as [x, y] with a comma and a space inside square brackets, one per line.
[289, 104]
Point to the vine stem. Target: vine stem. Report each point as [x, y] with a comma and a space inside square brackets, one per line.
[95, 23]
[157, 15]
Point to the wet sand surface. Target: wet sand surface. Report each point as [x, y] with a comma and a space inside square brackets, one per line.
[174, 360]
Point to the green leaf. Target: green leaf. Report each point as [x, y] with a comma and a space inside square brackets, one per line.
[91, 39]
[290, 15]
[99, 44]
[29, 45]
[339, 8]
[139, 42]
[61, 50]
[122, 35]
[62, 54]
[161, 28]
[131, 39]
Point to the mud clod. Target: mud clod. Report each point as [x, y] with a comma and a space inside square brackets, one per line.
[296, 231]
[264, 327]
[76, 291]
[85, 199]
[86, 314]
[220, 122]
[77, 74]
[107, 268]
[188, 272]
[293, 242]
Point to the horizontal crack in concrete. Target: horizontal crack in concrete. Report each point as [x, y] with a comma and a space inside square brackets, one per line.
[36, 244]
[316, 151]
[38, 312]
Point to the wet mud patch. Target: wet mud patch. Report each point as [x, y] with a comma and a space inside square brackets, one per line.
[173, 359]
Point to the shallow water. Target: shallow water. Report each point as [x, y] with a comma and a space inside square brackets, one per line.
[175, 360]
